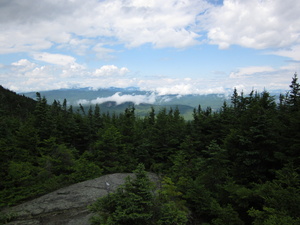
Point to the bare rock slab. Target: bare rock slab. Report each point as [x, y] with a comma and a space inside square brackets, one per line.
[68, 206]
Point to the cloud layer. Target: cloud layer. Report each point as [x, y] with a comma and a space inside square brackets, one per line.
[95, 25]
[119, 99]
[75, 24]
[25, 76]
[256, 24]
[71, 43]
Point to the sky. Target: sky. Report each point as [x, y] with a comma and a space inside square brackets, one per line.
[170, 46]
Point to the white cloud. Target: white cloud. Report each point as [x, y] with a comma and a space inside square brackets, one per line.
[246, 71]
[189, 89]
[57, 59]
[22, 39]
[80, 45]
[119, 99]
[293, 52]
[74, 70]
[23, 65]
[254, 23]
[110, 70]
[240, 88]
[86, 26]
[182, 89]
[184, 86]
[102, 52]
[83, 102]
[24, 75]
[26, 27]
[291, 67]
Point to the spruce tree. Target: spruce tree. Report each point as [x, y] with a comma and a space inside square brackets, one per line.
[294, 94]
[131, 204]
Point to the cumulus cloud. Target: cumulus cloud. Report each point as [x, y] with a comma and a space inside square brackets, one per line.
[254, 23]
[110, 70]
[119, 99]
[86, 26]
[74, 70]
[23, 65]
[181, 89]
[24, 75]
[29, 26]
[184, 86]
[57, 59]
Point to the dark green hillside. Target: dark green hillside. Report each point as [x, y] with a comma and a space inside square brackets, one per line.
[236, 165]
[141, 110]
[73, 95]
[12, 104]
[214, 101]
[184, 103]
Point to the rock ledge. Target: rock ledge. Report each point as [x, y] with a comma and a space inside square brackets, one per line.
[68, 205]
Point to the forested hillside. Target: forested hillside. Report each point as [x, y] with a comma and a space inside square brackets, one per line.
[12, 104]
[118, 99]
[239, 165]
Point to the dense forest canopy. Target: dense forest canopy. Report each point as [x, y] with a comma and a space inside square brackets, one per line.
[238, 165]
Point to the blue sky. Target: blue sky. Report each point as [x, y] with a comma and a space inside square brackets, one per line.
[170, 47]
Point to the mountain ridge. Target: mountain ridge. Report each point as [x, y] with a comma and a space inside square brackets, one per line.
[74, 95]
[116, 100]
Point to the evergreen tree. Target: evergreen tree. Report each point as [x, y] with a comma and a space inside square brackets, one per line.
[252, 143]
[132, 203]
[43, 121]
[135, 202]
[294, 94]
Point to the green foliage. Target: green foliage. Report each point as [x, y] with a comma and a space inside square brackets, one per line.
[281, 198]
[135, 202]
[84, 169]
[225, 215]
[130, 204]
[14, 105]
[270, 216]
[20, 173]
[170, 214]
[110, 153]
[294, 94]
[172, 208]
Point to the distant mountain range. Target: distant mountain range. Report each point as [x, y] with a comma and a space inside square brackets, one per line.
[117, 99]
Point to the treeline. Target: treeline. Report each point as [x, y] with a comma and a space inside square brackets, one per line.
[239, 165]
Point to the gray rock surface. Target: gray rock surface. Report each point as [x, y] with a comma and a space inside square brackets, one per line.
[68, 206]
